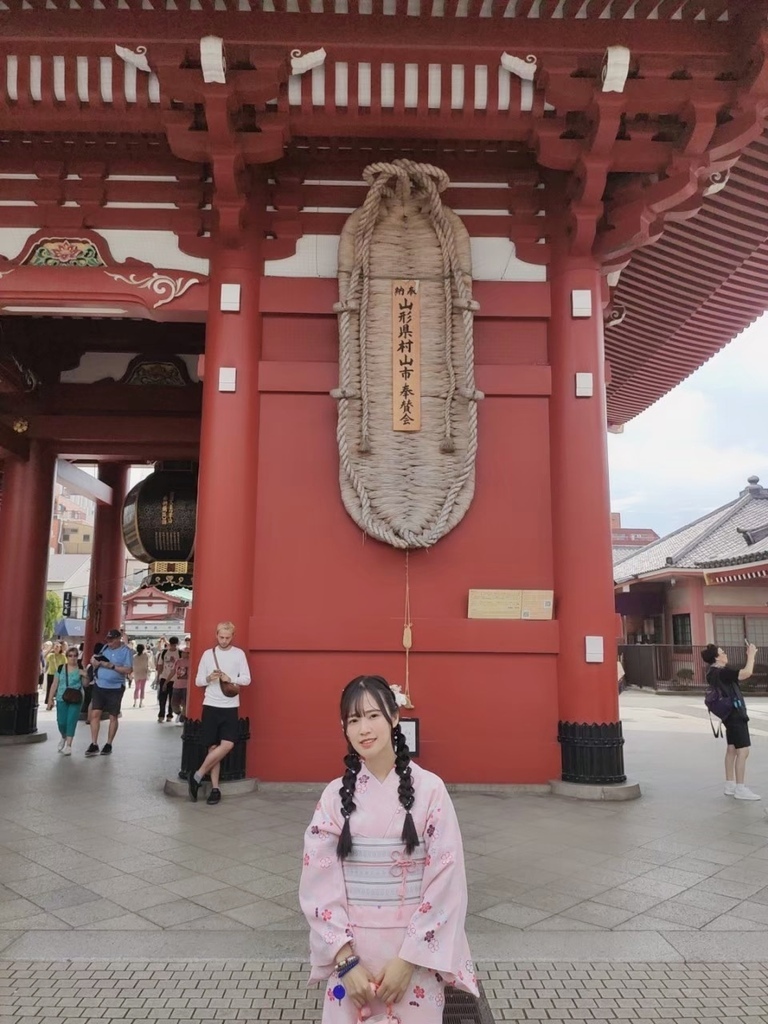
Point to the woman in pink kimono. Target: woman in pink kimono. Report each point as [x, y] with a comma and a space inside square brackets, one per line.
[383, 885]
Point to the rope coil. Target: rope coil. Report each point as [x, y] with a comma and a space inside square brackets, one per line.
[402, 204]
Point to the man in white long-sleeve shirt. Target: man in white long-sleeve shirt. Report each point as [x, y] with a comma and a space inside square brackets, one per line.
[221, 664]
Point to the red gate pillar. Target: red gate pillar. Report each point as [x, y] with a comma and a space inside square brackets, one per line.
[105, 585]
[226, 497]
[589, 730]
[25, 527]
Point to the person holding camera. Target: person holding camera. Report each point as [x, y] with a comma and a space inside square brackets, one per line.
[111, 667]
[223, 670]
[721, 677]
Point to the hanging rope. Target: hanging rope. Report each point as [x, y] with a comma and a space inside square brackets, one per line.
[416, 190]
[407, 632]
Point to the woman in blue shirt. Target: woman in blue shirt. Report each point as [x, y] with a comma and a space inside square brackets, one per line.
[68, 677]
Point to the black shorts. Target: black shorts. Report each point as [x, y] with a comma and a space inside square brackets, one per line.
[218, 724]
[106, 699]
[737, 733]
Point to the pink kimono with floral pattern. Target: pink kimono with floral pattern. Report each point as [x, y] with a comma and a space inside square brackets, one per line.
[385, 902]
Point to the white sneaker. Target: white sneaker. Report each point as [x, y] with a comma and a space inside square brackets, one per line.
[62, 742]
[743, 793]
[730, 788]
[67, 751]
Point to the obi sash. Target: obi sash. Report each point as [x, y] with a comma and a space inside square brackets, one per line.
[379, 873]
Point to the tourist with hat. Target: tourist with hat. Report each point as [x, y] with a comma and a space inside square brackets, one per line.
[111, 668]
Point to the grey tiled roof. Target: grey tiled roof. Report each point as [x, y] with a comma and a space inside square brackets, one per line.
[622, 551]
[749, 559]
[714, 537]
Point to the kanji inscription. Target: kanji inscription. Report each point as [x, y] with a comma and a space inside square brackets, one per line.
[406, 356]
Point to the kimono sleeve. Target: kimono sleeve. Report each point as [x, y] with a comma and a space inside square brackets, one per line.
[322, 892]
[435, 936]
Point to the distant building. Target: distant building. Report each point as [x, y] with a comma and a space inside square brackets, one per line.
[150, 613]
[69, 577]
[69, 574]
[76, 538]
[704, 583]
[71, 523]
[624, 541]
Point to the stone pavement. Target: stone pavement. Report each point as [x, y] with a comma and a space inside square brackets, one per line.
[205, 992]
[577, 910]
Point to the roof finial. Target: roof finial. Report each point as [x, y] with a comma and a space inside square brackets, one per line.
[753, 480]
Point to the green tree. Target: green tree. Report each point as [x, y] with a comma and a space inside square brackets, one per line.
[53, 608]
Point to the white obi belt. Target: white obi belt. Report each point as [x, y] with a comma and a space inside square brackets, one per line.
[379, 872]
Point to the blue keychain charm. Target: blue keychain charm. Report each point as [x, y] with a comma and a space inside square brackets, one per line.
[339, 992]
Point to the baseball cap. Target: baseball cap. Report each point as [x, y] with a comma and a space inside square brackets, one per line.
[114, 634]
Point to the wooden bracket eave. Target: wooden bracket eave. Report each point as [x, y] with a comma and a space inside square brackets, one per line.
[706, 151]
[220, 143]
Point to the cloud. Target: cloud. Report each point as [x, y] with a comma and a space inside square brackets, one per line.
[694, 449]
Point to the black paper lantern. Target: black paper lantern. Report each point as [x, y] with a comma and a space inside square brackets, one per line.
[159, 514]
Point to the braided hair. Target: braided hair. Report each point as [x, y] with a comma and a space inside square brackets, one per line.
[351, 704]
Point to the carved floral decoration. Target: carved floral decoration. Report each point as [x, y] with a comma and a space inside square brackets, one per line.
[166, 287]
[65, 252]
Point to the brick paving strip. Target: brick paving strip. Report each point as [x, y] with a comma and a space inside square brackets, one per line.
[209, 991]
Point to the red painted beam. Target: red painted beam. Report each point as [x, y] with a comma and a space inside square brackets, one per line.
[343, 35]
[56, 286]
[505, 299]
[517, 381]
[330, 633]
[110, 451]
[105, 399]
[502, 225]
[137, 430]
[101, 190]
[111, 219]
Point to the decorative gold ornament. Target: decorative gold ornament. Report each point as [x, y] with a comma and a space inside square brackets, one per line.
[21, 426]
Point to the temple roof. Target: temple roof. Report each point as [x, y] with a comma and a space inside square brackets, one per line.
[152, 593]
[690, 293]
[719, 538]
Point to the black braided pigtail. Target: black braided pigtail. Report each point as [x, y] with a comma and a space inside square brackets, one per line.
[405, 790]
[347, 794]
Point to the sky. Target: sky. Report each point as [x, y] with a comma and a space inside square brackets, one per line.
[694, 449]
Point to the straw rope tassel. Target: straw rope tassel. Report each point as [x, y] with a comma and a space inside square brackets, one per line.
[407, 632]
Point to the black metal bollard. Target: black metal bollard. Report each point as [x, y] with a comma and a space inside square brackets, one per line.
[18, 714]
[193, 753]
[592, 753]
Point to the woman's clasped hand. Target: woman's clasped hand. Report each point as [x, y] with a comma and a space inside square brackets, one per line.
[394, 980]
[360, 986]
[389, 987]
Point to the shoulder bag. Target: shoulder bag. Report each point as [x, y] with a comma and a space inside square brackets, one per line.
[71, 694]
[228, 689]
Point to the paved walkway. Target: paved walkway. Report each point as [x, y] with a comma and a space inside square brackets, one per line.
[206, 992]
[577, 910]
